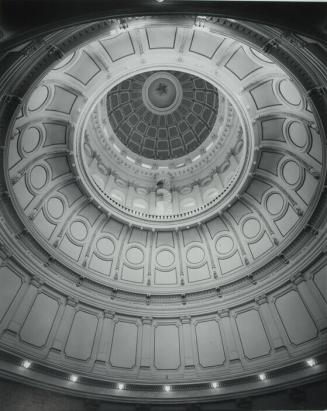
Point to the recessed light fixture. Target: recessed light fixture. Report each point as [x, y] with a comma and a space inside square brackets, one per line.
[311, 362]
[73, 378]
[160, 1]
[196, 157]
[262, 377]
[26, 363]
[116, 148]
[167, 388]
[214, 384]
[130, 159]
[121, 386]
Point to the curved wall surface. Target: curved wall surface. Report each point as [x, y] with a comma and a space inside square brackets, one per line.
[219, 300]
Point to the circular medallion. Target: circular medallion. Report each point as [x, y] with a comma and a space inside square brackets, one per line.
[165, 258]
[38, 98]
[291, 172]
[55, 207]
[162, 93]
[31, 139]
[289, 92]
[298, 134]
[251, 228]
[105, 246]
[224, 245]
[195, 255]
[134, 255]
[38, 177]
[275, 203]
[78, 230]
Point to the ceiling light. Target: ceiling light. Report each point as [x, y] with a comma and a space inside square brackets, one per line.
[73, 378]
[197, 157]
[311, 362]
[26, 363]
[167, 388]
[262, 377]
[214, 384]
[160, 1]
[130, 159]
[116, 148]
[121, 386]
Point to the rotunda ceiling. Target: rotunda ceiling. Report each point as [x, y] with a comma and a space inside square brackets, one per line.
[251, 187]
[161, 172]
[162, 115]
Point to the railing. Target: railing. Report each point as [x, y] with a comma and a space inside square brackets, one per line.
[172, 216]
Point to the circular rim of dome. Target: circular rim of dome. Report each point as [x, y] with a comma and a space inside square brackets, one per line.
[149, 100]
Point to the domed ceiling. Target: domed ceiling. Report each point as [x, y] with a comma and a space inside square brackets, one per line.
[162, 115]
[166, 178]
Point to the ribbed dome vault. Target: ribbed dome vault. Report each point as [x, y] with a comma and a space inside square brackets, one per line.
[162, 115]
[163, 214]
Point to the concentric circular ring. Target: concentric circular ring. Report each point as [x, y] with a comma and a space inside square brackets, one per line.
[162, 93]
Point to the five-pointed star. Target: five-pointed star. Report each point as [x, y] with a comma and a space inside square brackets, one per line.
[162, 89]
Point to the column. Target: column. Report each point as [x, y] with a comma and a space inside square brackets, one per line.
[23, 309]
[146, 354]
[269, 321]
[218, 183]
[129, 196]
[65, 325]
[93, 160]
[109, 184]
[106, 337]
[197, 195]
[308, 298]
[233, 161]
[175, 198]
[187, 341]
[228, 331]
[152, 202]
